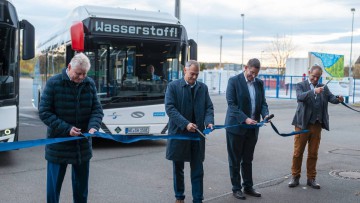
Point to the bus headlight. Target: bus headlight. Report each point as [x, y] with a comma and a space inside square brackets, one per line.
[7, 132]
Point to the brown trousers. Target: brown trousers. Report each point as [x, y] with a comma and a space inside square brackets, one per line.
[313, 139]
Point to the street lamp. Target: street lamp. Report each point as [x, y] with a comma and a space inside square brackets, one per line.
[220, 49]
[261, 56]
[352, 31]
[242, 44]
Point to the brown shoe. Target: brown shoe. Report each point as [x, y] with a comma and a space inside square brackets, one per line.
[294, 181]
[312, 183]
[179, 201]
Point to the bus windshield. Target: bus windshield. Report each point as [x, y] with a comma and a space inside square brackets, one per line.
[128, 74]
[8, 54]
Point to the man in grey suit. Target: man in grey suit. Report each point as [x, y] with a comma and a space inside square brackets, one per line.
[189, 107]
[246, 102]
[311, 114]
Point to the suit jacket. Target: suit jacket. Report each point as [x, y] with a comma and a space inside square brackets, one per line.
[239, 103]
[306, 100]
[179, 108]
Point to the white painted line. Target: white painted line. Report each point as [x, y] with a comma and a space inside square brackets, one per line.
[28, 116]
[27, 107]
[29, 124]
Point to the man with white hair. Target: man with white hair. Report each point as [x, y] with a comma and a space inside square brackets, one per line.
[69, 106]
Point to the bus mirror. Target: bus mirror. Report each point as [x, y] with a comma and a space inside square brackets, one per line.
[28, 43]
[193, 49]
[77, 36]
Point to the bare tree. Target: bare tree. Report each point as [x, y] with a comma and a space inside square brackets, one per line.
[281, 48]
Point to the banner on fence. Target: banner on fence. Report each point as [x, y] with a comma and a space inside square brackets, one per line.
[333, 67]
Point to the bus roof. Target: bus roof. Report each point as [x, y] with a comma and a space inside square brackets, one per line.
[83, 12]
[128, 14]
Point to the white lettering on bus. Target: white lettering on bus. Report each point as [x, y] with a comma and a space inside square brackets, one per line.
[107, 28]
[124, 29]
[132, 30]
[137, 29]
[159, 32]
[100, 26]
[152, 30]
[116, 28]
[146, 31]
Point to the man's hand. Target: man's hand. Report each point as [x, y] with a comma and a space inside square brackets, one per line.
[92, 130]
[318, 90]
[191, 127]
[340, 98]
[75, 131]
[250, 121]
[211, 126]
[266, 117]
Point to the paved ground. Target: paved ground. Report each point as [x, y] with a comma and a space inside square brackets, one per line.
[139, 172]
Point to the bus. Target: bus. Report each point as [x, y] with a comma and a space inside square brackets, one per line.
[10, 46]
[133, 55]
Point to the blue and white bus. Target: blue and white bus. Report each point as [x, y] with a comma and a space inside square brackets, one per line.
[10, 27]
[123, 45]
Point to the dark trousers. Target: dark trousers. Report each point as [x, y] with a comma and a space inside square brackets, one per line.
[79, 176]
[240, 153]
[197, 175]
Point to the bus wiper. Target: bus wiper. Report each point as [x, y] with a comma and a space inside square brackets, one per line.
[3, 82]
[113, 101]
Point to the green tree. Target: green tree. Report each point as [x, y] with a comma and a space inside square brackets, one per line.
[202, 66]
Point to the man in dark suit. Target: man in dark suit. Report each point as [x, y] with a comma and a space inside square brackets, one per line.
[189, 107]
[246, 102]
[311, 114]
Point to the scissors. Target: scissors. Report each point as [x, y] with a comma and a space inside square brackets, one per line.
[328, 82]
[202, 134]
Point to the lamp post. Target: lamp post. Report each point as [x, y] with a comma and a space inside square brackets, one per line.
[350, 65]
[352, 31]
[242, 44]
[220, 49]
[177, 9]
[261, 56]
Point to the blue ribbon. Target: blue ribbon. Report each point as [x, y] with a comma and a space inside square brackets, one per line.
[217, 127]
[287, 134]
[347, 106]
[258, 125]
[7, 146]
[134, 138]
[119, 138]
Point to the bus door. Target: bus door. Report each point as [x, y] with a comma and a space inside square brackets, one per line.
[103, 70]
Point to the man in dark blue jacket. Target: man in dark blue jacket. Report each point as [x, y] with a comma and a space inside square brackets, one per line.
[246, 102]
[189, 107]
[69, 106]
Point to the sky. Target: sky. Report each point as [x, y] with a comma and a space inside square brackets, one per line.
[312, 25]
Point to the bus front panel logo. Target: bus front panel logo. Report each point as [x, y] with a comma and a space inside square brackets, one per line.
[138, 114]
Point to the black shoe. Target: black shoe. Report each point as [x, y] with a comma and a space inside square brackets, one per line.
[252, 192]
[294, 181]
[238, 194]
[312, 183]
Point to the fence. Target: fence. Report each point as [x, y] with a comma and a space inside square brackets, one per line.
[279, 86]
